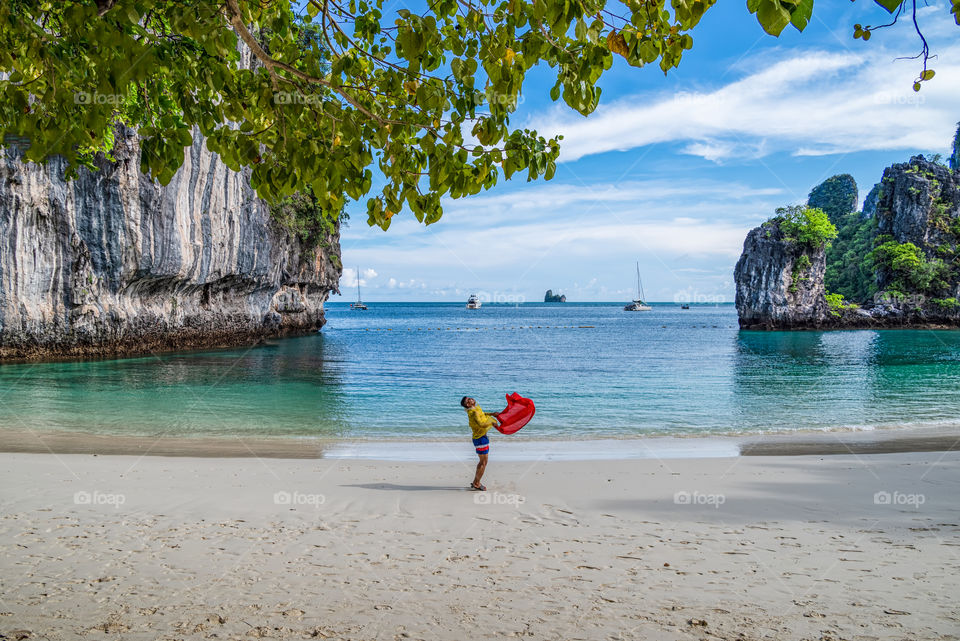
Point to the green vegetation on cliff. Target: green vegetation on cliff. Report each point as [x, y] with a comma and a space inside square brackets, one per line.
[849, 273]
[910, 269]
[303, 215]
[859, 259]
[809, 227]
[837, 304]
[837, 196]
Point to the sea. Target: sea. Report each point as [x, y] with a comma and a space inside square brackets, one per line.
[397, 371]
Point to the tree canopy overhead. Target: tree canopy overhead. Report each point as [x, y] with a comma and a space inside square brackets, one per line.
[318, 100]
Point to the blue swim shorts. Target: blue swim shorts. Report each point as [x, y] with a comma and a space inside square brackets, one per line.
[482, 444]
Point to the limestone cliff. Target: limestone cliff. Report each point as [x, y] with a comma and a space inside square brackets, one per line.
[779, 282]
[912, 262]
[112, 262]
[919, 203]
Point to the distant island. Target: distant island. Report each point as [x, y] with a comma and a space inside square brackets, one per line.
[550, 297]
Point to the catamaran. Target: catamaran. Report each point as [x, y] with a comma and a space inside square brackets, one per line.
[638, 304]
[359, 304]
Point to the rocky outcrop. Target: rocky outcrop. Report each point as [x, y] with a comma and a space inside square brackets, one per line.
[111, 262]
[779, 282]
[550, 297]
[870, 202]
[837, 196]
[917, 202]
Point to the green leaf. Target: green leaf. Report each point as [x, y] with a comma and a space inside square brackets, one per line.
[889, 5]
[397, 96]
[773, 17]
[800, 15]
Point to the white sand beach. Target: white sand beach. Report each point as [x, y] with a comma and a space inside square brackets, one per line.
[764, 547]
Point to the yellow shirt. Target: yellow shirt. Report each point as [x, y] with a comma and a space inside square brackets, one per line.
[480, 423]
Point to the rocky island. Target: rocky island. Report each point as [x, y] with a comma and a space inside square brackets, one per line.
[895, 264]
[112, 262]
[550, 297]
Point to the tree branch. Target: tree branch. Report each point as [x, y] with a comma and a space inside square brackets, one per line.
[233, 15]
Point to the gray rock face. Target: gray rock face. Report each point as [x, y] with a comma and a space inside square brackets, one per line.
[870, 203]
[112, 262]
[779, 283]
[918, 200]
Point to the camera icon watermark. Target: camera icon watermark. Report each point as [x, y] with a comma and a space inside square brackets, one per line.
[498, 498]
[298, 498]
[97, 98]
[502, 298]
[296, 98]
[687, 296]
[898, 298]
[99, 498]
[899, 498]
[683, 497]
[505, 100]
[699, 99]
[888, 98]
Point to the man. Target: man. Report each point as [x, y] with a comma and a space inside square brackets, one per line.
[480, 424]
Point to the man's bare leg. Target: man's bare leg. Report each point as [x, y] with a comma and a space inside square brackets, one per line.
[481, 468]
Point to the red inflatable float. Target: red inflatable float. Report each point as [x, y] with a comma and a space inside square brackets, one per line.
[518, 413]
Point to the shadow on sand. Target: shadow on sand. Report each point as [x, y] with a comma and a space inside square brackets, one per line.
[409, 488]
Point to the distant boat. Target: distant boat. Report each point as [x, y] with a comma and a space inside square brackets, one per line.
[638, 304]
[684, 306]
[473, 302]
[359, 304]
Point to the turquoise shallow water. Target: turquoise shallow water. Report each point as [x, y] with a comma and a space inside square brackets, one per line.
[383, 374]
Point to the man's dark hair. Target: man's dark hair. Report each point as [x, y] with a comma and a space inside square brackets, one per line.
[463, 401]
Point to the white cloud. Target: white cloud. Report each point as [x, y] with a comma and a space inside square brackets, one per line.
[670, 225]
[527, 243]
[687, 231]
[811, 103]
[647, 199]
[412, 283]
[349, 278]
[554, 196]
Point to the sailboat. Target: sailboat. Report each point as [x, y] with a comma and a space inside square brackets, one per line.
[359, 304]
[638, 304]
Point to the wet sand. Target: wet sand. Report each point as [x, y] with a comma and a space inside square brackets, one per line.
[883, 441]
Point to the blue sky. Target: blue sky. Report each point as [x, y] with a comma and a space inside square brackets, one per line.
[674, 171]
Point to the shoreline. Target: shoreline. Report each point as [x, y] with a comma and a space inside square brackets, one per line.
[885, 441]
[145, 347]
